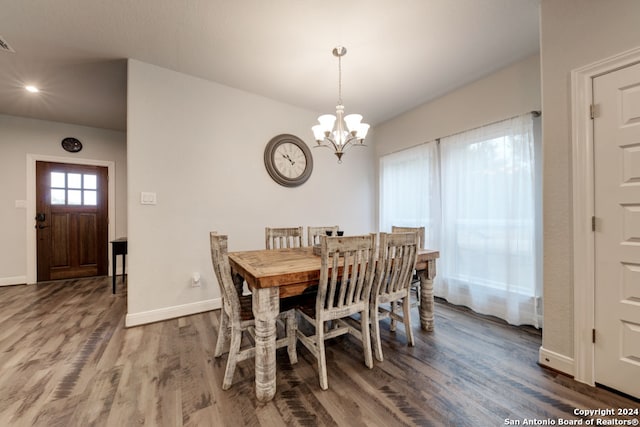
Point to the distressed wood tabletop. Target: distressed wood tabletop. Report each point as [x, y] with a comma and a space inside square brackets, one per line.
[291, 269]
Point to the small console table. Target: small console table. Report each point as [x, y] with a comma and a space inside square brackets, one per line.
[118, 247]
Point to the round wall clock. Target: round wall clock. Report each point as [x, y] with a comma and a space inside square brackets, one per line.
[71, 145]
[288, 160]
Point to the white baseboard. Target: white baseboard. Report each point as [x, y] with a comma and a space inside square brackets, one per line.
[160, 314]
[17, 280]
[556, 361]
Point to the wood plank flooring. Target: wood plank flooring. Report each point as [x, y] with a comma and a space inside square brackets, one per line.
[66, 359]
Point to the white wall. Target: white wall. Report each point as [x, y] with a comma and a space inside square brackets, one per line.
[199, 145]
[506, 93]
[574, 33]
[22, 136]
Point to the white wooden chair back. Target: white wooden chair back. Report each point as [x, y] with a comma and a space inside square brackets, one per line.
[314, 233]
[347, 270]
[397, 259]
[277, 238]
[220, 261]
[419, 230]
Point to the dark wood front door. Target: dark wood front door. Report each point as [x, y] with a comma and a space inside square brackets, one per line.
[71, 220]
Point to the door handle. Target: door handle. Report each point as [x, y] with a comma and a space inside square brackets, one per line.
[40, 226]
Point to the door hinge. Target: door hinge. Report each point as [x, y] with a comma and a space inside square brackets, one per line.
[593, 336]
[593, 223]
[594, 111]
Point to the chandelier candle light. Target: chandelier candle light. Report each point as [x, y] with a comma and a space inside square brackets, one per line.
[340, 132]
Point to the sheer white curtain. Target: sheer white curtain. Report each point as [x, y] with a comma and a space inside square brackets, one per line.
[488, 253]
[475, 194]
[410, 190]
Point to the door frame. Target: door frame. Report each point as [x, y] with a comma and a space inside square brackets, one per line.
[584, 207]
[32, 239]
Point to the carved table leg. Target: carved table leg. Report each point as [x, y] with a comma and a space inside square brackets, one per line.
[266, 305]
[426, 295]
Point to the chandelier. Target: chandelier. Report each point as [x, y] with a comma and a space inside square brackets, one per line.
[340, 132]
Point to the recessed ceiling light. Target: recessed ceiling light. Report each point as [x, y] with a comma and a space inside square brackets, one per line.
[32, 89]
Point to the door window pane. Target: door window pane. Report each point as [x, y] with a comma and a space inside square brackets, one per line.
[74, 180]
[57, 197]
[90, 197]
[57, 179]
[80, 189]
[90, 182]
[75, 197]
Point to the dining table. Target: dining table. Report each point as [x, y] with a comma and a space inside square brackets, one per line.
[280, 273]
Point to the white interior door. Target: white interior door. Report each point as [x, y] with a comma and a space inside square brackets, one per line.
[617, 236]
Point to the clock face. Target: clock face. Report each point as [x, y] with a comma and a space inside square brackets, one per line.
[71, 145]
[288, 160]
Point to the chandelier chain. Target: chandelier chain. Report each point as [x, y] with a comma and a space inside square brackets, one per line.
[340, 80]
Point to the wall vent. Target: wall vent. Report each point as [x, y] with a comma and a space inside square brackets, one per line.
[4, 46]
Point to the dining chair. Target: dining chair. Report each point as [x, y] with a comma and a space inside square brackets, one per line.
[347, 269]
[276, 238]
[415, 280]
[314, 233]
[236, 315]
[397, 254]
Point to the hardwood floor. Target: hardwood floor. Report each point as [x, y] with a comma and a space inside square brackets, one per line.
[66, 359]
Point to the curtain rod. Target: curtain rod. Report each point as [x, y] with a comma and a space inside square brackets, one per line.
[534, 113]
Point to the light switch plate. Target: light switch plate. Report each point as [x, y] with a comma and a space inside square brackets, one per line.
[147, 198]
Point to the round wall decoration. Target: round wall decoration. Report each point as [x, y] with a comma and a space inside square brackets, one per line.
[72, 145]
[288, 160]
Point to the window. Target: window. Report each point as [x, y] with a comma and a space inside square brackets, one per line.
[74, 189]
[483, 222]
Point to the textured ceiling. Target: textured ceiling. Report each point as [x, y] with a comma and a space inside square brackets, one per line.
[401, 53]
